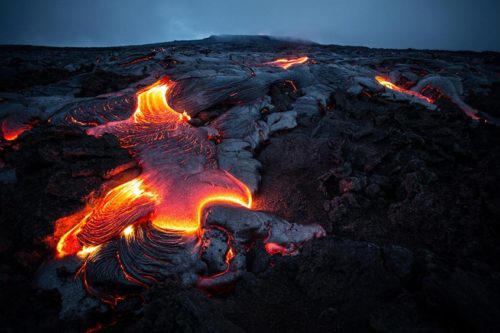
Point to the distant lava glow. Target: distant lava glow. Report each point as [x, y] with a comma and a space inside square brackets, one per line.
[287, 63]
[180, 177]
[389, 85]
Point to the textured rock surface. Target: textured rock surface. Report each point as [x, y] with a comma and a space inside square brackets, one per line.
[406, 191]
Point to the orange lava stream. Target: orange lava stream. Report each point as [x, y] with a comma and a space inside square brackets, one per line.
[287, 63]
[153, 108]
[389, 85]
[171, 203]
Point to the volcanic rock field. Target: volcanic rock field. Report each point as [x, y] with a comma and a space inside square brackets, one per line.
[249, 184]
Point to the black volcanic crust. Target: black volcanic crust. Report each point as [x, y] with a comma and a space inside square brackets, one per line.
[409, 198]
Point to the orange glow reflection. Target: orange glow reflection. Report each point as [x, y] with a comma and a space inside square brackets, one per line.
[389, 85]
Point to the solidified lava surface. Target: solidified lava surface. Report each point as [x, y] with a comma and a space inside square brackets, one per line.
[249, 184]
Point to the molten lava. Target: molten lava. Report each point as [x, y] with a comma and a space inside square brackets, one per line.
[389, 85]
[180, 178]
[287, 63]
[273, 248]
[12, 131]
[106, 219]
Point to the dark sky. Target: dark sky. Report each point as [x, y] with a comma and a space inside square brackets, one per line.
[434, 24]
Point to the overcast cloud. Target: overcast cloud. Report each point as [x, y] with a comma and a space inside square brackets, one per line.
[433, 24]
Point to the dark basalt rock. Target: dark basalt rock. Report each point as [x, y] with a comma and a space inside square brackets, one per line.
[14, 79]
[52, 181]
[283, 94]
[104, 82]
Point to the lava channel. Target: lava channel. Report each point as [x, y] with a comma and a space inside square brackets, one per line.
[391, 86]
[287, 63]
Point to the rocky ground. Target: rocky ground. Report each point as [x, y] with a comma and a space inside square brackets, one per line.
[406, 191]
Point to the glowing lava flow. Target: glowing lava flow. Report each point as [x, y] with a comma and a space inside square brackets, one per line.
[287, 63]
[123, 205]
[180, 177]
[10, 132]
[389, 85]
